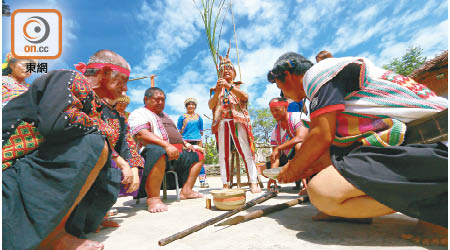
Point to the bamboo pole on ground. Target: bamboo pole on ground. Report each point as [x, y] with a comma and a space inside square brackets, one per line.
[262, 212]
[214, 220]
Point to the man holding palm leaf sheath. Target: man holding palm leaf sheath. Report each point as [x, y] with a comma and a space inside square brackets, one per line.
[231, 121]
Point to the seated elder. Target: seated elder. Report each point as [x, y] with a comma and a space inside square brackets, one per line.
[357, 143]
[55, 153]
[163, 149]
[287, 135]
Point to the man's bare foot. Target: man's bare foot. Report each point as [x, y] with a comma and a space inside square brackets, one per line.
[303, 192]
[428, 234]
[66, 241]
[321, 216]
[155, 205]
[190, 194]
[254, 188]
[226, 186]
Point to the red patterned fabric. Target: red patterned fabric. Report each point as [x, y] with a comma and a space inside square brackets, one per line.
[81, 97]
[23, 140]
[115, 125]
[136, 159]
[419, 89]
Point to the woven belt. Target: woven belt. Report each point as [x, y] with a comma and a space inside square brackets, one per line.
[428, 130]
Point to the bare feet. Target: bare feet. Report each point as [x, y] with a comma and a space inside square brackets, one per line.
[254, 188]
[155, 205]
[321, 216]
[226, 186]
[260, 168]
[66, 241]
[190, 194]
[428, 234]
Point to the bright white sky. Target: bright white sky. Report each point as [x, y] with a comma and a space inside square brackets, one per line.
[167, 38]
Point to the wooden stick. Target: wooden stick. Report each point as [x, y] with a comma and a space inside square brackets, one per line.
[139, 78]
[262, 212]
[214, 220]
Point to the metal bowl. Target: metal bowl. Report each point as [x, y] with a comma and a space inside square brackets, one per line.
[272, 173]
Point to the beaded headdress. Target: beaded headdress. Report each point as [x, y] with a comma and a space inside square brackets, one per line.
[225, 62]
[123, 99]
[190, 99]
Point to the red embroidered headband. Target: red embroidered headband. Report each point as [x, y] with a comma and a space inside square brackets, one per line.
[82, 67]
[279, 104]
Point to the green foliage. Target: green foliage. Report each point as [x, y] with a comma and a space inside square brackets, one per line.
[262, 123]
[412, 60]
[211, 154]
[211, 13]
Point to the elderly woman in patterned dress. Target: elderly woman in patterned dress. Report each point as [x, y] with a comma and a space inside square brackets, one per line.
[14, 73]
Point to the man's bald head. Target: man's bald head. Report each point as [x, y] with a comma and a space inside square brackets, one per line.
[106, 56]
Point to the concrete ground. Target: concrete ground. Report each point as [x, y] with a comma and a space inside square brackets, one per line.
[291, 228]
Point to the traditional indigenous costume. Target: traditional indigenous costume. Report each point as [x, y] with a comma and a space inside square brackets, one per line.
[11, 88]
[191, 128]
[124, 99]
[281, 135]
[162, 126]
[53, 136]
[127, 146]
[370, 149]
[231, 122]
[82, 220]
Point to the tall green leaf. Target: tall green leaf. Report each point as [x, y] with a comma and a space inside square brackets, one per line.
[211, 12]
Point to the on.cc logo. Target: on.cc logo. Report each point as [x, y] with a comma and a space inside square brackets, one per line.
[36, 29]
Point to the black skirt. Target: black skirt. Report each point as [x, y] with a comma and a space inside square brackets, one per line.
[91, 210]
[411, 179]
[40, 188]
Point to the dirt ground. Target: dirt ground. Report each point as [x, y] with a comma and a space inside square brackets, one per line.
[291, 228]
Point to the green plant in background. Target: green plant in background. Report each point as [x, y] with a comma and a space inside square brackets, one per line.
[410, 61]
[211, 13]
[211, 154]
[262, 124]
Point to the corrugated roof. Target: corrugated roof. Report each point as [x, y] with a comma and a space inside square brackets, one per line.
[436, 62]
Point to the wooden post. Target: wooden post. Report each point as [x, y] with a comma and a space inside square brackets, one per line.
[152, 81]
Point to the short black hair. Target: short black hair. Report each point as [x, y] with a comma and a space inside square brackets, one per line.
[151, 91]
[290, 61]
